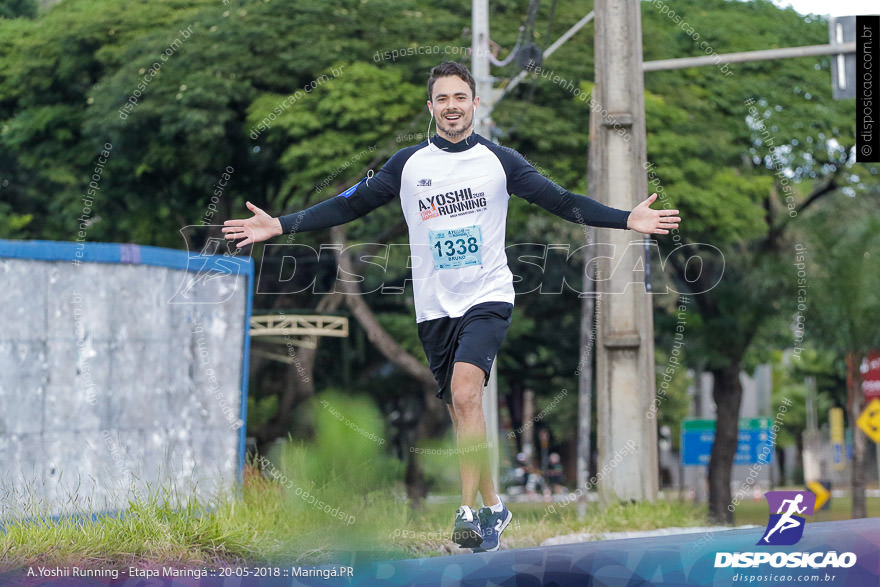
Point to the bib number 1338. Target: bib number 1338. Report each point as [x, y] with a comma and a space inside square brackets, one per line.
[456, 247]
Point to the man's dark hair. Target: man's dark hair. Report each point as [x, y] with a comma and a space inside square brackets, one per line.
[450, 68]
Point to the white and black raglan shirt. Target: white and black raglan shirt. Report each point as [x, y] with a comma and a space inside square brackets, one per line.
[454, 197]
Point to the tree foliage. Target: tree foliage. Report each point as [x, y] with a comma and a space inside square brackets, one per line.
[18, 8]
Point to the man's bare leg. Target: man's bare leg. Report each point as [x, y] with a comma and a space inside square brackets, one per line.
[454, 423]
[470, 430]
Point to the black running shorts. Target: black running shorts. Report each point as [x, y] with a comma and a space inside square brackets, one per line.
[473, 338]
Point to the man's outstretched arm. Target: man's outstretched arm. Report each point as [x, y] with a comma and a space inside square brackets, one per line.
[525, 181]
[356, 201]
[351, 204]
[570, 206]
[584, 210]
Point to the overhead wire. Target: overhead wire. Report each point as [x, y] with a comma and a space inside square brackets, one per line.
[526, 34]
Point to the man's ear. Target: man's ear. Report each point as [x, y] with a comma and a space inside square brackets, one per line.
[430, 107]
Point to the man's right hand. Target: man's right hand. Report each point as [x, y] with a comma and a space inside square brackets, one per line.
[257, 228]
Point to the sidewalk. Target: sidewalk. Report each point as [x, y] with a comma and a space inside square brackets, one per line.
[592, 537]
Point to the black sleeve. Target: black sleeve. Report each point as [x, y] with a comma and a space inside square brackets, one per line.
[524, 181]
[336, 210]
[574, 207]
[358, 200]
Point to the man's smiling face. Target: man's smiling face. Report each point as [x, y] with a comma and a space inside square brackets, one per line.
[453, 107]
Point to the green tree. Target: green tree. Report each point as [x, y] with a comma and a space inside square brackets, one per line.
[744, 156]
[172, 86]
[789, 395]
[847, 294]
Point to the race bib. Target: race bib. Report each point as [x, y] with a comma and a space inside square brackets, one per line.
[456, 247]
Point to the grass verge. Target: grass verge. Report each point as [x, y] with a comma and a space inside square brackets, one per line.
[335, 500]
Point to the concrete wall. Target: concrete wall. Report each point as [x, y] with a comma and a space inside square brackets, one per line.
[118, 380]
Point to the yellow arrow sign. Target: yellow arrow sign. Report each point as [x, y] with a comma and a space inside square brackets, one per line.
[822, 494]
[869, 421]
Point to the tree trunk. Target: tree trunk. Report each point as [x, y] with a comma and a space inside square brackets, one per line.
[528, 427]
[780, 459]
[416, 485]
[514, 401]
[855, 400]
[727, 392]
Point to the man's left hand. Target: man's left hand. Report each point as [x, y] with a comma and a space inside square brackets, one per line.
[648, 221]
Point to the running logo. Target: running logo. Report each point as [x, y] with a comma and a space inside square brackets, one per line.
[424, 182]
[786, 526]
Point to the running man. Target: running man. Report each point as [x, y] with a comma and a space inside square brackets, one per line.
[785, 520]
[453, 190]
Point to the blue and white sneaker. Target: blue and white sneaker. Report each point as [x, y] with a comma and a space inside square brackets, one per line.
[493, 524]
[467, 533]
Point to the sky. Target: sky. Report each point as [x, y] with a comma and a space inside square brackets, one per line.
[834, 8]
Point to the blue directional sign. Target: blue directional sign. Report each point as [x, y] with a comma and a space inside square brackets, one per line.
[754, 445]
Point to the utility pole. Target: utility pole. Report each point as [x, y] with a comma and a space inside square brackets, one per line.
[483, 127]
[480, 66]
[627, 437]
[585, 379]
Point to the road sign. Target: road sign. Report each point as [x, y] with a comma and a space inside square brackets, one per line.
[870, 371]
[697, 437]
[753, 443]
[838, 446]
[822, 494]
[869, 421]
[842, 29]
[838, 442]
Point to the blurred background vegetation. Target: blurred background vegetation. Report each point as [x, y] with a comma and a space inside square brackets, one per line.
[67, 69]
